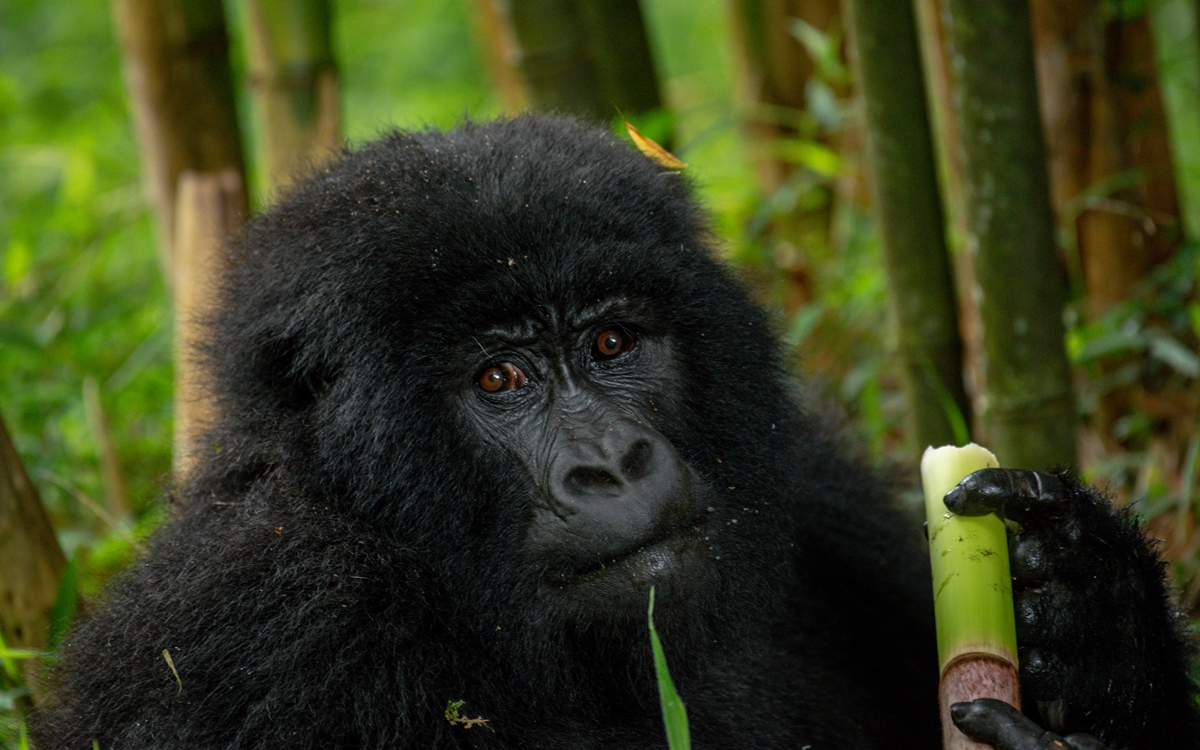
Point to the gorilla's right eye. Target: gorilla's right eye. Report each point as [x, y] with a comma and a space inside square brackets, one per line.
[610, 343]
[501, 377]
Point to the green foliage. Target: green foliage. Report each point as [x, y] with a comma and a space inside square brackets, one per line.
[693, 59]
[1173, 28]
[1149, 339]
[1142, 355]
[81, 293]
[674, 713]
[65, 602]
[14, 696]
[410, 65]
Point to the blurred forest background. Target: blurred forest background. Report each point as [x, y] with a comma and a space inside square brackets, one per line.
[973, 221]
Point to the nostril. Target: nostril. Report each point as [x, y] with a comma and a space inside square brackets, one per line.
[636, 462]
[582, 480]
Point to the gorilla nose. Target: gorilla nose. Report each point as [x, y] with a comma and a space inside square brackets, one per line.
[625, 470]
[609, 478]
[611, 489]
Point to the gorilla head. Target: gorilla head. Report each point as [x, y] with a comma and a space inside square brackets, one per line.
[477, 392]
[498, 336]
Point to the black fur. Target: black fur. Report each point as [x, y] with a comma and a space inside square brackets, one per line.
[348, 558]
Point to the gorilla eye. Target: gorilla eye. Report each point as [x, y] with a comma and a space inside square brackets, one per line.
[613, 342]
[502, 377]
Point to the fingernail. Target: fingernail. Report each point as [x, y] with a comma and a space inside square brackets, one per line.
[953, 499]
[959, 711]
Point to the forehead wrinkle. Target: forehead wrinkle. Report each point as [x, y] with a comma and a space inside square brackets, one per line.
[565, 319]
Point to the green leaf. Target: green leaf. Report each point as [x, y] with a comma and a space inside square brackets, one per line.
[824, 48]
[63, 610]
[803, 323]
[1176, 355]
[818, 157]
[674, 713]
[23, 733]
[824, 104]
[17, 261]
[9, 673]
[954, 415]
[1110, 342]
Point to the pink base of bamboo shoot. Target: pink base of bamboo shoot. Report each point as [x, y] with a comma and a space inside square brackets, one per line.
[970, 677]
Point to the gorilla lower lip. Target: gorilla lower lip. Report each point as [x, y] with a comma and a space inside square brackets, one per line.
[647, 564]
[650, 563]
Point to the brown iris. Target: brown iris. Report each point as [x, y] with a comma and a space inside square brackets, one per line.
[610, 343]
[501, 377]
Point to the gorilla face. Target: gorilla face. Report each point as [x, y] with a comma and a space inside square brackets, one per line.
[570, 395]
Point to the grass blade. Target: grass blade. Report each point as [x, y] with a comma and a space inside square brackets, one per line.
[674, 713]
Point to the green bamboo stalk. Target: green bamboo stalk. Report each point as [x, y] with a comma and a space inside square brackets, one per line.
[175, 54]
[1177, 54]
[904, 190]
[972, 592]
[294, 83]
[590, 58]
[1030, 406]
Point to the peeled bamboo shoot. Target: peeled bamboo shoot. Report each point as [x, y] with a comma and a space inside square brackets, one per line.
[972, 592]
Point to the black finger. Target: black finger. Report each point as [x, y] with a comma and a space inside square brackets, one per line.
[1013, 493]
[1084, 742]
[1002, 726]
[1040, 673]
[1030, 609]
[1028, 561]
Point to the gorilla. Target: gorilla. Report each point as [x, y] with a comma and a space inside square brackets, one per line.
[477, 392]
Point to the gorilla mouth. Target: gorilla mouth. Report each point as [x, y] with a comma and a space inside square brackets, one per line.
[649, 562]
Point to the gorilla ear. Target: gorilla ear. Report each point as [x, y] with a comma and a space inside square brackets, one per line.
[295, 383]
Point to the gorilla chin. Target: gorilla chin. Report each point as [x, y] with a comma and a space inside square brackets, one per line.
[675, 566]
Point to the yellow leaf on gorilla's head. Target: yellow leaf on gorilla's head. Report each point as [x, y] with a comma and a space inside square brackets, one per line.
[660, 155]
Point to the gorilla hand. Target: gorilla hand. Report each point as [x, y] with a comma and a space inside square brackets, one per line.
[1005, 728]
[1100, 644]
